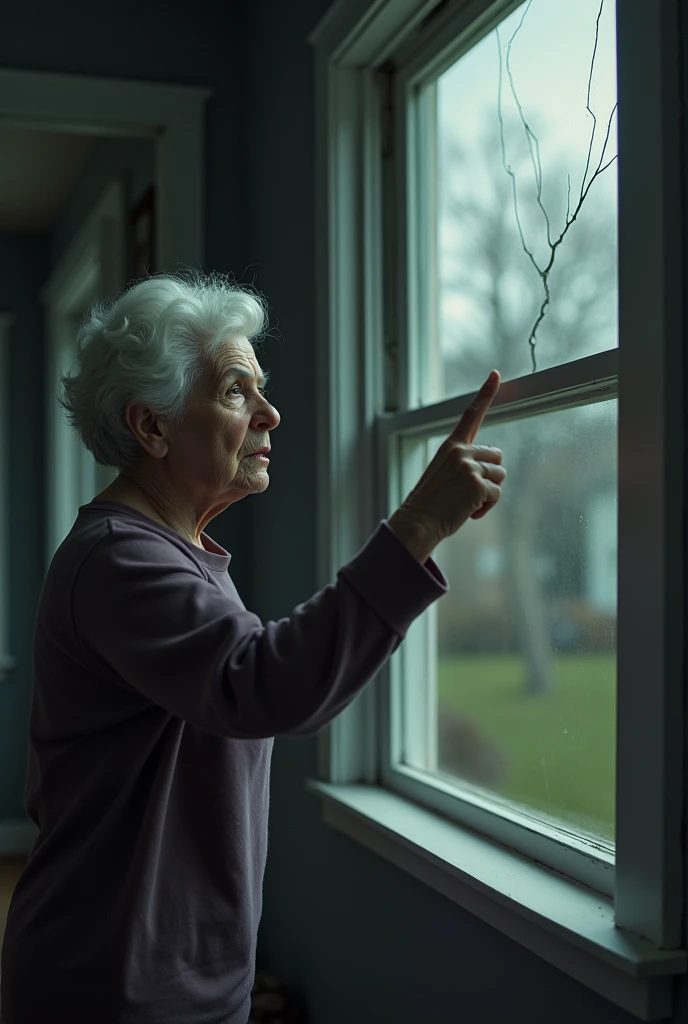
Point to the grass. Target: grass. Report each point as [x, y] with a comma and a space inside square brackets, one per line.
[561, 746]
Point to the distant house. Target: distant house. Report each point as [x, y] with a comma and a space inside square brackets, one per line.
[574, 561]
[601, 552]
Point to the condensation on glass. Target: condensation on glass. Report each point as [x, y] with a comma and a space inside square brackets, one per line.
[526, 636]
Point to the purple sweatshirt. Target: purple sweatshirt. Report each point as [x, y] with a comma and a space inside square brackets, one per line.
[155, 702]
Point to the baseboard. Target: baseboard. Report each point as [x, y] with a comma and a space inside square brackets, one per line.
[17, 836]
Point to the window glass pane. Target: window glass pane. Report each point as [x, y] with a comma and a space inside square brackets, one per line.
[482, 287]
[526, 636]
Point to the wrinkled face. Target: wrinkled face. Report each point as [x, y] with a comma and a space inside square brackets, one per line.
[227, 419]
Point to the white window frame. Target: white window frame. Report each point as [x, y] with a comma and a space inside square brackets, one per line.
[613, 923]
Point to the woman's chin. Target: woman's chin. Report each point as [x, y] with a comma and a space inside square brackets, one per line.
[256, 481]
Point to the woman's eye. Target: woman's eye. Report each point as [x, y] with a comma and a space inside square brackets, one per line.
[232, 391]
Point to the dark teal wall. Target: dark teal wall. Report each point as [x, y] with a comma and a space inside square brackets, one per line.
[23, 266]
[277, 197]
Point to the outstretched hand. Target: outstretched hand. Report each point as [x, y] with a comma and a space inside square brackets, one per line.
[463, 480]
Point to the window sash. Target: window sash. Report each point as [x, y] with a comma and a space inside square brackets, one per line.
[586, 380]
[582, 381]
[649, 641]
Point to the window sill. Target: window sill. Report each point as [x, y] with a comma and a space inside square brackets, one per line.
[567, 924]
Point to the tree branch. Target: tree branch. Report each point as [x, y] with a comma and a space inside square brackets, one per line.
[537, 169]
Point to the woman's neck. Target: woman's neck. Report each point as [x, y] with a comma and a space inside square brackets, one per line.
[129, 492]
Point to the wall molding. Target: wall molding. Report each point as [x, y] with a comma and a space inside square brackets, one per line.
[93, 267]
[172, 116]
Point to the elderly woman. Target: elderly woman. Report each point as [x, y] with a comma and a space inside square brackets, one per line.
[157, 694]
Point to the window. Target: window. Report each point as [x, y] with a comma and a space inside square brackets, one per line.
[474, 214]
[505, 689]
[518, 696]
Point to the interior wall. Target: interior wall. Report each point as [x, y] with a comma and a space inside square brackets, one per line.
[24, 260]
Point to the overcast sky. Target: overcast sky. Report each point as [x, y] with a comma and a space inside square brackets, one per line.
[550, 61]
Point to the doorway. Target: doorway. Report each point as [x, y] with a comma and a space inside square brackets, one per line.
[170, 118]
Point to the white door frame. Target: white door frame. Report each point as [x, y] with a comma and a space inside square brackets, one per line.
[170, 115]
[93, 267]
[173, 118]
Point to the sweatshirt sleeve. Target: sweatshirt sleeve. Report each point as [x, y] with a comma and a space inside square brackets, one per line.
[143, 610]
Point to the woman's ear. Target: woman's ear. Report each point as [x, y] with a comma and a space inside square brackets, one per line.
[149, 429]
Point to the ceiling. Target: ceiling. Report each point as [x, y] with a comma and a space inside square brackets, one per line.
[37, 172]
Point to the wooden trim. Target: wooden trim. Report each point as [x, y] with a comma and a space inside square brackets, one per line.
[171, 116]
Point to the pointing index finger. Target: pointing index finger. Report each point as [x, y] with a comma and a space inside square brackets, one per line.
[473, 416]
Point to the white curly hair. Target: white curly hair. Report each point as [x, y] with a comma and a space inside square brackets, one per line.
[149, 344]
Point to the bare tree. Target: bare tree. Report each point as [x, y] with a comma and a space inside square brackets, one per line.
[492, 271]
[534, 149]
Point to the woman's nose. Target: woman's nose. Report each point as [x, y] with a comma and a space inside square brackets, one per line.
[268, 418]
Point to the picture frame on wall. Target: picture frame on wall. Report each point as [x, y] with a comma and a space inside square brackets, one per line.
[142, 236]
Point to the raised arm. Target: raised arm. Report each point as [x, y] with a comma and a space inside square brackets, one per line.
[148, 619]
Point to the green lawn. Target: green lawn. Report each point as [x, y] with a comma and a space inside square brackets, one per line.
[560, 746]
